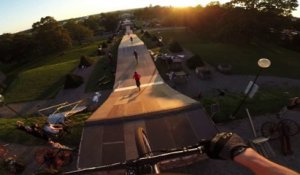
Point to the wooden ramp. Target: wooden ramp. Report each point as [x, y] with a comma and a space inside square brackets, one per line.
[126, 100]
[170, 118]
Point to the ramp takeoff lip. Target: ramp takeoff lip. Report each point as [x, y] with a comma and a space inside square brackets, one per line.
[143, 85]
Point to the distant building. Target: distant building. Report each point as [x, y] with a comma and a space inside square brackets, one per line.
[126, 15]
[125, 23]
[289, 34]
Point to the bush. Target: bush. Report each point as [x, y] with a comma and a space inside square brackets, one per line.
[73, 81]
[110, 39]
[195, 61]
[85, 62]
[175, 47]
[104, 45]
[147, 34]
[154, 38]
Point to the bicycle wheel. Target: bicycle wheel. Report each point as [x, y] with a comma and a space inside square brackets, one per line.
[142, 143]
[144, 149]
[269, 129]
[290, 126]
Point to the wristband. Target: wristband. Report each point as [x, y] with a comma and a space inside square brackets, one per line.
[238, 150]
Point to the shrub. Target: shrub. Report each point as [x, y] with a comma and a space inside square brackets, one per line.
[195, 61]
[175, 47]
[73, 81]
[104, 45]
[154, 38]
[85, 62]
[147, 34]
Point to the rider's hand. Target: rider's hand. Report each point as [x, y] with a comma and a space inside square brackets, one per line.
[225, 145]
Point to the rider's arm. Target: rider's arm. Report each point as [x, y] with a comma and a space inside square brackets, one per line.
[227, 145]
[260, 165]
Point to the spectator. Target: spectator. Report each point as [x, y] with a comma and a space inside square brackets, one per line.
[52, 129]
[58, 118]
[96, 97]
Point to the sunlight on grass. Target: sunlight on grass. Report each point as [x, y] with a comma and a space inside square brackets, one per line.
[72, 54]
[39, 83]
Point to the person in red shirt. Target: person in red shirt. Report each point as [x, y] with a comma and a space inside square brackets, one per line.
[137, 78]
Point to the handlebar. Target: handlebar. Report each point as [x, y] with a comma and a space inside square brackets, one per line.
[153, 159]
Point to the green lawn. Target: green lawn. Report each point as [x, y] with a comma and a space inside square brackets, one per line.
[68, 55]
[43, 77]
[265, 101]
[39, 83]
[103, 70]
[9, 133]
[285, 63]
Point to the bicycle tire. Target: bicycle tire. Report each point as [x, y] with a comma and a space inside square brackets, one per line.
[270, 130]
[142, 143]
[291, 126]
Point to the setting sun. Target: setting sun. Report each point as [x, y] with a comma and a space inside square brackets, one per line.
[185, 3]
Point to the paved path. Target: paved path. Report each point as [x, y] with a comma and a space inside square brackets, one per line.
[231, 83]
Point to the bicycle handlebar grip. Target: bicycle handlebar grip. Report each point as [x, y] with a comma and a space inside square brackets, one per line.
[226, 145]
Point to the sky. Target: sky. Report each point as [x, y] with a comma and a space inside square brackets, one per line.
[18, 15]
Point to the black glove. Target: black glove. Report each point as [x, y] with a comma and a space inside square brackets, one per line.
[225, 145]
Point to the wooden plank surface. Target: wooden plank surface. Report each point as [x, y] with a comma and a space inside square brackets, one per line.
[112, 140]
[127, 100]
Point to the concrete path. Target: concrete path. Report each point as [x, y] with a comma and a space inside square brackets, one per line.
[230, 83]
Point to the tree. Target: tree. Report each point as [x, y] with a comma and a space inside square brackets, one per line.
[93, 23]
[23, 47]
[50, 36]
[78, 31]
[16, 47]
[109, 21]
[278, 7]
[6, 41]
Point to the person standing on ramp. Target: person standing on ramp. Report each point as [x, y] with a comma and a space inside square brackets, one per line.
[137, 78]
[131, 39]
[136, 56]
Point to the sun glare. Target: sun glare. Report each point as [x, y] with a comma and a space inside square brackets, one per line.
[186, 3]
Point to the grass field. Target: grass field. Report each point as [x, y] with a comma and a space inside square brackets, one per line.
[265, 101]
[39, 83]
[103, 70]
[243, 58]
[285, 63]
[68, 55]
[43, 77]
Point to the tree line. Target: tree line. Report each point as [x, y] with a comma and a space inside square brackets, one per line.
[50, 36]
[238, 21]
